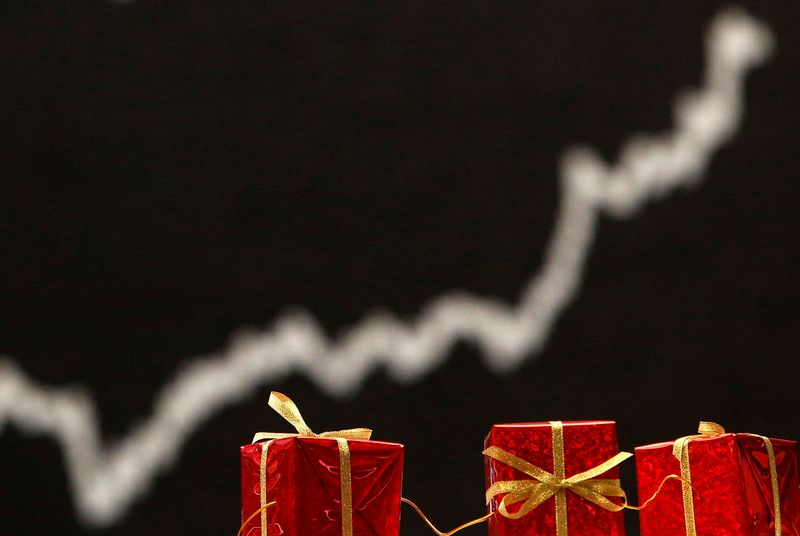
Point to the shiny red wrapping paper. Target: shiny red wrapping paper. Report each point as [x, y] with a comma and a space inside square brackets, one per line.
[732, 487]
[587, 444]
[303, 477]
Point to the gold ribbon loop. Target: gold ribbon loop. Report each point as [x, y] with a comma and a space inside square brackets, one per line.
[287, 409]
[681, 451]
[543, 485]
[711, 429]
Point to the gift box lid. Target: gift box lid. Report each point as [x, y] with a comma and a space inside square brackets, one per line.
[738, 437]
[500, 427]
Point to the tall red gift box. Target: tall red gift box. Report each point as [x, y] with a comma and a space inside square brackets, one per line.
[554, 478]
[729, 488]
[327, 484]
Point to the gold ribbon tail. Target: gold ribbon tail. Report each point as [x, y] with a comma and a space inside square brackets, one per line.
[433, 527]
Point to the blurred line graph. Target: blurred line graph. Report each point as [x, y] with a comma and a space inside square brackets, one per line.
[107, 479]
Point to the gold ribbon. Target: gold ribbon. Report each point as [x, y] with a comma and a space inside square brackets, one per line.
[433, 527]
[542, 485]
[681, 451]
[252, 516]
[289, 411]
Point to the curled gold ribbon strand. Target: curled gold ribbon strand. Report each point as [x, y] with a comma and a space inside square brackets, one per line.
[646, 503]
[433, 527]
[253, 516]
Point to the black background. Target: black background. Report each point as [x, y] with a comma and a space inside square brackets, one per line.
[173, 171]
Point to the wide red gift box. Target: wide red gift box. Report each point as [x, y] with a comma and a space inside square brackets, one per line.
[328, 484]
[733, 484]
[558, 478]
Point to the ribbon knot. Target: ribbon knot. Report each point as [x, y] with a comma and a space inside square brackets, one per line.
[543, 485]
[286, 408]
[705, 429]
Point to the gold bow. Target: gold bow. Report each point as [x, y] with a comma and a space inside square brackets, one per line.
[681, 451]
[544, 485]
[287, 409]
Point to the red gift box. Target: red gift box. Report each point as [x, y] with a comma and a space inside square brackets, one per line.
[321, 484]
[727, 488]
[554, 478]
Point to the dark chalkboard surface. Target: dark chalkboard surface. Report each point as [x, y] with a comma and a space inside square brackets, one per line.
[184, 182]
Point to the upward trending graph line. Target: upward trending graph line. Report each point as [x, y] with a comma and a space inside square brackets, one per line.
[107, 479]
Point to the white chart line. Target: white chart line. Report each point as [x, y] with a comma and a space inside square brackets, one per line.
[107, 479]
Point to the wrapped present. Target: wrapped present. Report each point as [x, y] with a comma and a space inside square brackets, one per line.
[329, 484]
[554, 478]
[732, 484]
